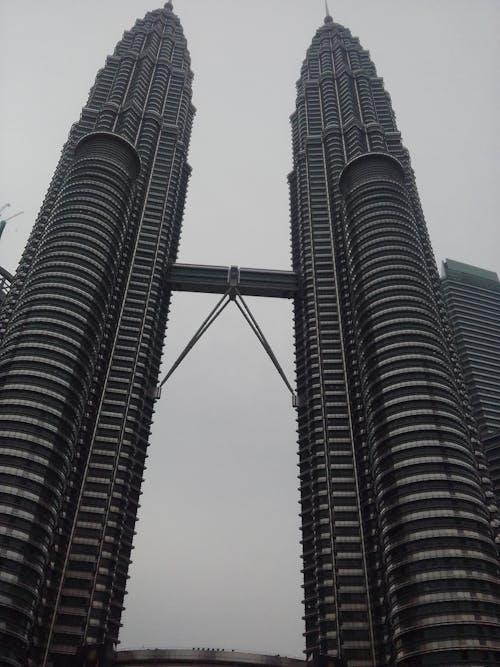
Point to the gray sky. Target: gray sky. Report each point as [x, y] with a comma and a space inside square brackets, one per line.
[216, 562]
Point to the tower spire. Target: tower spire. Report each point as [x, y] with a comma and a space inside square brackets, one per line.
[328, 16]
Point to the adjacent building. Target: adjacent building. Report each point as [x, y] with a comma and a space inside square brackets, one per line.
[398, 514]
[5, 281]
[472, 298]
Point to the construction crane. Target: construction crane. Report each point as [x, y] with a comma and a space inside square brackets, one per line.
[4, 221]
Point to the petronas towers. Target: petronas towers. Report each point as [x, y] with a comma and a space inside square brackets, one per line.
[398, 514]
[399, 521]
[82, 337]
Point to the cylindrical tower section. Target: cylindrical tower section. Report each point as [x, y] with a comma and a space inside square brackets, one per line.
[440, 563]
[47, 361]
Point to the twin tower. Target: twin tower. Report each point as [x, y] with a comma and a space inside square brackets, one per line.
[399, 522]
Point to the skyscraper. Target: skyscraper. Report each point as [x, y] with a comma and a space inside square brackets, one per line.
[82, 334]
[472, 297]
[399, 556]
[398, 515]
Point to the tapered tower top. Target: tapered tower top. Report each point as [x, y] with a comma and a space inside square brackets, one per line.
[328, 16]
[168, 5]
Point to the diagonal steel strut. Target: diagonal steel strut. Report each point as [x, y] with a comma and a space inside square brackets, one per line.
[231, 294]
[252, 322]
[210, 319]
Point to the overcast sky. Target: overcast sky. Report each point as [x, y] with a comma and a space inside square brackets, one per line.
[216, 562]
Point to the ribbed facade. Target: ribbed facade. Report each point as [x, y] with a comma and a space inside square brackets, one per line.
[491, 443]
[472, 297]
[82, 335]
[398, 514]
[399, 519]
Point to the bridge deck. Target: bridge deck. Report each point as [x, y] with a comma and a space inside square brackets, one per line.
[217, 279]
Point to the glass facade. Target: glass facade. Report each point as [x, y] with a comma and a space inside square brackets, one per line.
[399, 518]
[472, 297]
[82, 332]
[398, 515]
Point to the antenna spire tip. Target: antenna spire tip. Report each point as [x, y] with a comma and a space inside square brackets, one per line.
[328, 16]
